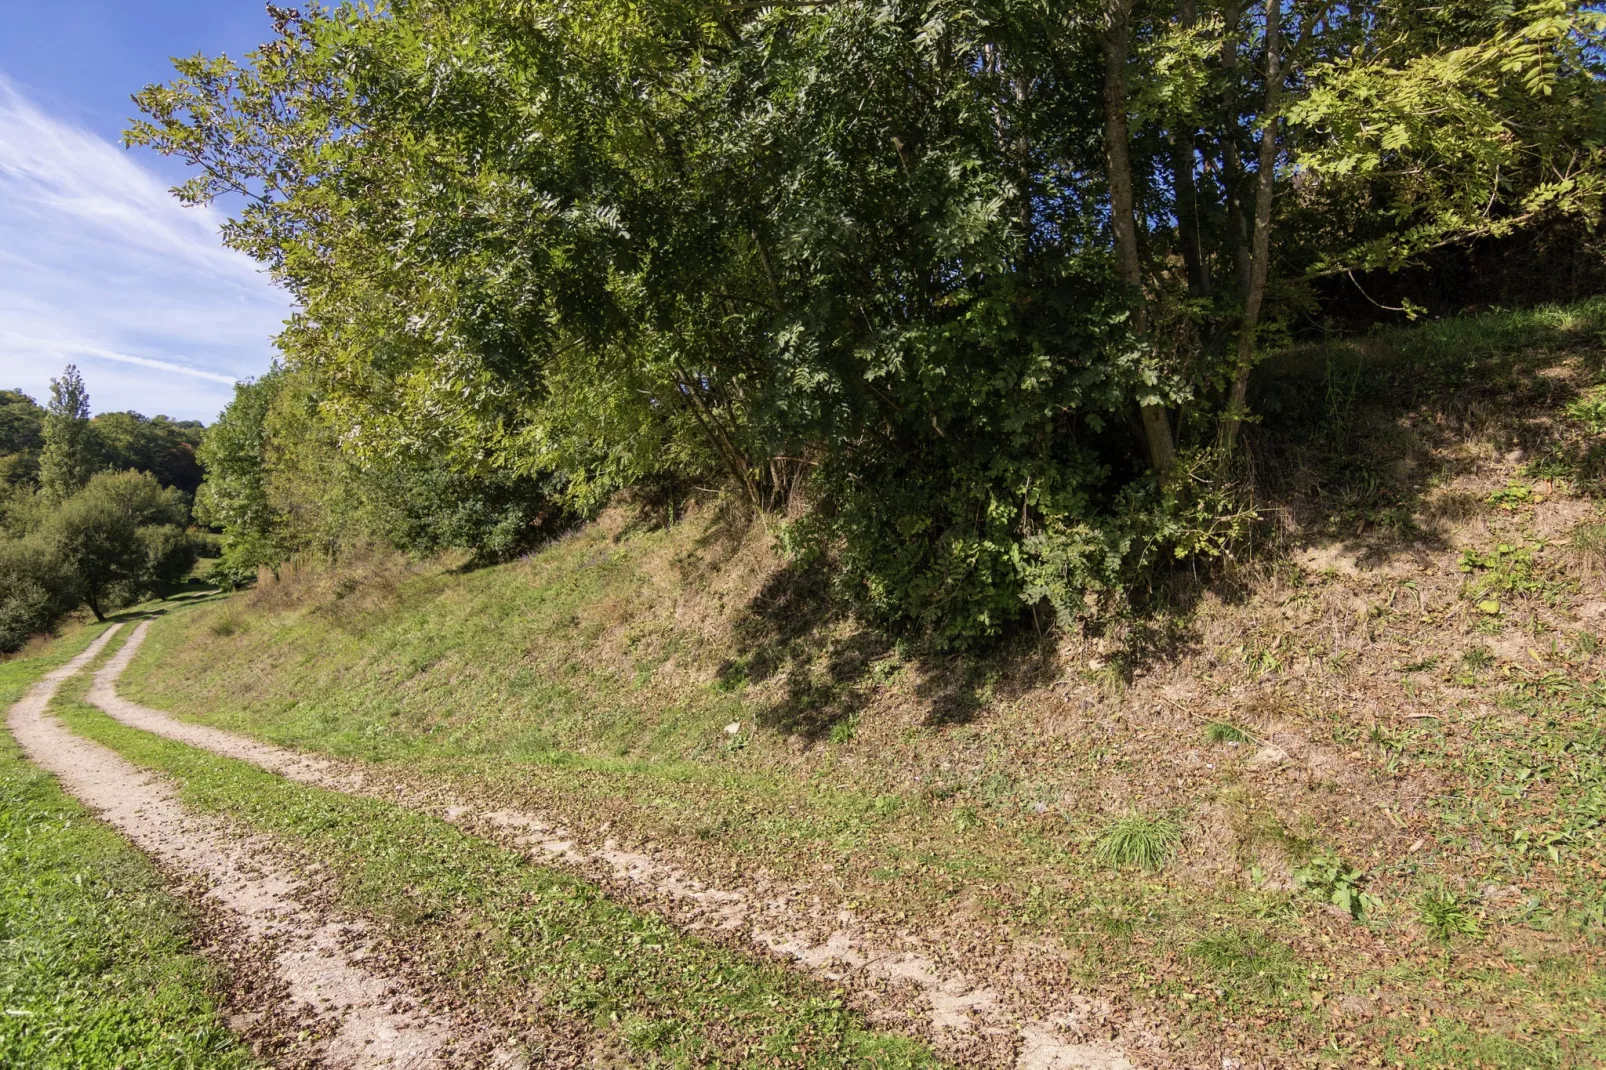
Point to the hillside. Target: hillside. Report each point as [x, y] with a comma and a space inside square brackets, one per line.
[1337, 800]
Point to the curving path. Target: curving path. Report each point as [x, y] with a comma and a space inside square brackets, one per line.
[359, 1019]
[962, 1015]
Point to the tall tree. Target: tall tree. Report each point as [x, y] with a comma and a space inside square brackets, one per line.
[67, 459]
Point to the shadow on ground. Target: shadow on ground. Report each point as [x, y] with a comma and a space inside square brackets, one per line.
[1357, 441]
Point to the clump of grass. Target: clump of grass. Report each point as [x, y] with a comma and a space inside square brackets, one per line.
[1446, 915]
[1589, 542]
[1139, 840]
[1223, 732]
[225, 624]
[845, 730]
[1249, 963]
[1478, 658]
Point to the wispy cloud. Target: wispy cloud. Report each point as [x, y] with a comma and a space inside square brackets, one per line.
[100, 266]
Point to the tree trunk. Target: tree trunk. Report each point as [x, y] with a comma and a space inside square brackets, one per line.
[1265, 190]
[1183, 161]
[1232, 168]
[1123, 217]
[690, 389]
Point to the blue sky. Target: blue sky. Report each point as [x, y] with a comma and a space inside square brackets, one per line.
[99, 265]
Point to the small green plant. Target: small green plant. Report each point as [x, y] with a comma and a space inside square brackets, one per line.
[1139, 840]
[1507, 569]
[1223, 732]
[1338, 883]
[1477, 658]
[1445, 914]
[966, 818]
[1515, 494]
[1590, 410]
[845, 730]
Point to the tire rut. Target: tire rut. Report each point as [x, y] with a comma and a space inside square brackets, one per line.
[963, 1017]
[358, 1018]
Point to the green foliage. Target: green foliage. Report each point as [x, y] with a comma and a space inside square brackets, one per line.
[279, 482]
[1139, 840]
[67, 458]
[119, 539]
[165, 448]
[234, 496]
[855, 261]
[1506, 569]
[1338, 883]
[35, 591]
[1481, 124]
[79, 446]
[22, 436]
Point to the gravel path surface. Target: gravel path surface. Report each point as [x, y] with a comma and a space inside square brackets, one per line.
[357, 1017]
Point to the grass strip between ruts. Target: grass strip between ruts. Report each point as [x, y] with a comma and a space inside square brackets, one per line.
[490, 921]
[97, 967]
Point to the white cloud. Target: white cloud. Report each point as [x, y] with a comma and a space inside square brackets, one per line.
[102, 267]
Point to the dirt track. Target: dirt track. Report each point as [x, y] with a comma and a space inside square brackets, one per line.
[355, 1017]
[969, 1021]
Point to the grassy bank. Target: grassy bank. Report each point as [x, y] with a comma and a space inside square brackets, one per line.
[539, 954]
[1364, 761]
[98, 966]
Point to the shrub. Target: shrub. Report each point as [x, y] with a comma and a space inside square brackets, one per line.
[34, 592]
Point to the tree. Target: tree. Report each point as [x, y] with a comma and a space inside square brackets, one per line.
[22, 424]
[120, 538]
[986, 280]
[158, 445]
[67, 459]
[234, 496]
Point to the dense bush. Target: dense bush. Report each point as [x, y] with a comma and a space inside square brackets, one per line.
[119, 540]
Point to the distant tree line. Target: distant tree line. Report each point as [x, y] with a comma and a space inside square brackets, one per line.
[116, 441]
[94, 513]
[966, 294]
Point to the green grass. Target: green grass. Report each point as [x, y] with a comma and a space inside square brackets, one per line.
[491, 924]
[97, 966]
[1447, 915]
[1222, 732]
[1139, 840]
